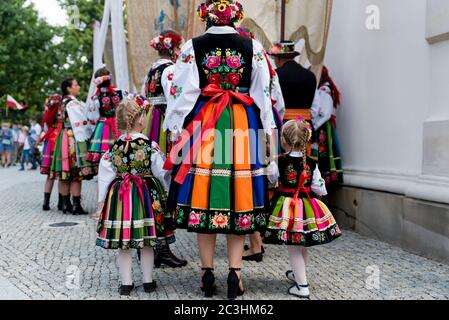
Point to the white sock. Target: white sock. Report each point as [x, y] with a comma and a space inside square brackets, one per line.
[298, 264]
[125, 261]
[147, 264]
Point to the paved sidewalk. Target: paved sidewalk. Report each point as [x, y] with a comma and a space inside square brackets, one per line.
[38, 261]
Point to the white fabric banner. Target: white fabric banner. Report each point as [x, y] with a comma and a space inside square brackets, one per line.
[100, 35]
[119, 46]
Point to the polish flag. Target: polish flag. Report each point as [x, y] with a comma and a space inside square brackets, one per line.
[13, 104]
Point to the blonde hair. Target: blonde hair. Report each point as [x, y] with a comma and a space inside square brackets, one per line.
[128, 113]
[296, 135]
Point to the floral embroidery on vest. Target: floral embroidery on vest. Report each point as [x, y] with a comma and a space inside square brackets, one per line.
[224, 68]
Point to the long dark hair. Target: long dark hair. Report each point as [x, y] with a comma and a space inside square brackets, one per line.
[326, 78]
[65, 85]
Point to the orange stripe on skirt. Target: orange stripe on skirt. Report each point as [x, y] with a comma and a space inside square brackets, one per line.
[243, 183]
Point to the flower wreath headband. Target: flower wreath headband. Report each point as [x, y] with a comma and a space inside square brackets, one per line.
[166, 42]
[221, 13]
[141, 101]
[98, 81]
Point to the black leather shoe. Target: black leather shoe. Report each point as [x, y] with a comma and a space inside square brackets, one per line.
[234, 289]
[209, 288]
[150, 287]
[46, 205]
[166, 257]
[77, 208]
[246, 248]
[60, 205]
[66, 205]
[126, 290]
[257, 257]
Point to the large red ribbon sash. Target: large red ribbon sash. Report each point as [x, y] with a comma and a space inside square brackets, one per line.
[220, 99]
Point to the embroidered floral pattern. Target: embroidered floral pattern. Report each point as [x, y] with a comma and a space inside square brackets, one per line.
[136, 162]
[219, 221]
[224, 68]
[187, 58]
[291, 175]
[175, 91]
[259, 56]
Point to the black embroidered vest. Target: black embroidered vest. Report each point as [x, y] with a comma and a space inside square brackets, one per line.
[109, 102]
[153, 86]
[224, 59]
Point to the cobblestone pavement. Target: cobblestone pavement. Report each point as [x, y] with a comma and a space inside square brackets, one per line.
[41, 262]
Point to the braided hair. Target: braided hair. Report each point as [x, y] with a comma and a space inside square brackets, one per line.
[296, 134]
[128, 113]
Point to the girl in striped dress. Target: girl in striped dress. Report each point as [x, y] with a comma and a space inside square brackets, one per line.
[129, 204]
[101, 116]
[298, 219]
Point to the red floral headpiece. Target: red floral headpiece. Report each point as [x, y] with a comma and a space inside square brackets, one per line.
[141, 101]
[53, 101]
[221, 13]
[167, 43]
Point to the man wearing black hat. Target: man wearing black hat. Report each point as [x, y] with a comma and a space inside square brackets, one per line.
[298, 84]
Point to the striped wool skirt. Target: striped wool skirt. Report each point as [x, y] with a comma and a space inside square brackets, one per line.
[305, 222]
[165, 226]
[69, 158]
[48, 149]
[127, 219]
[326, 148]
[47, 154]
[154, 129]
[103, 138]
[225, 191]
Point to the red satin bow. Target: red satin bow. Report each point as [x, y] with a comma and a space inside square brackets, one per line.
[221, 98]
[126, 184]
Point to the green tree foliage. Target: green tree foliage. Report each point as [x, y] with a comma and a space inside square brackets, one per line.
[28, 61]
[77, 47]
[35, 57]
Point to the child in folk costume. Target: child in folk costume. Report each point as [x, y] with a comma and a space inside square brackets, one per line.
[158, 83]
[128, 197]
[102, 116]
[157, 87]
[326, 145]
[50, 126]
[69, 163]
[221, 81]
[298, 219]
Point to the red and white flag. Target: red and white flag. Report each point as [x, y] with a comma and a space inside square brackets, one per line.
[13, 104]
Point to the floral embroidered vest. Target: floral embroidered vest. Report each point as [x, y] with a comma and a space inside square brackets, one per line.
[153, 86]
[225, 60]
[133, 157]
[291, 169]
[109, 102]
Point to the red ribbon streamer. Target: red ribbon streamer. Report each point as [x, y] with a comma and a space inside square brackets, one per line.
[221, 98]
